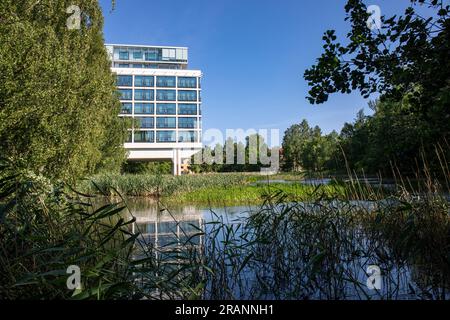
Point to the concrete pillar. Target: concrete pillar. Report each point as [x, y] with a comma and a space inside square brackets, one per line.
[179, 162]
[174, 162]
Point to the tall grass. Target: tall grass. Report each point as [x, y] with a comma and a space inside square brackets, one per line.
[157, 185]
[287, 248]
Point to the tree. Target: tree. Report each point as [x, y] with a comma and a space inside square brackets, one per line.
[58, 102]
[294, 140]
[406, 61]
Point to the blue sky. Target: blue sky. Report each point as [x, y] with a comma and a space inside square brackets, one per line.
[252, 52]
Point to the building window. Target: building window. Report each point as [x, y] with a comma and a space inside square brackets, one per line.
[129, 137]
[151, 56]
[137, 55]
[144, 136]
[166, 122]
[187, 109]
[126, 94]
[143, 108]
[165, 136]
[165, 82]
[143, 95]
[187, 82]
[125, 81]
[145, 123]
[127, 108]
[166, 108]
[124, 65]
[184, 95]
[143, 81]
[124, 55]
[166, 95]
[200, 109]
[187, 123]
[187, 136]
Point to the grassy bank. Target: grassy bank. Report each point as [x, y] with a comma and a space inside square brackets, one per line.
[318, 250]
[147, 185]
[218, 189]
[254, 194]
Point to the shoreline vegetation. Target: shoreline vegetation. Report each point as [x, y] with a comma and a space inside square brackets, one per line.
[228, 189]
[282, 251]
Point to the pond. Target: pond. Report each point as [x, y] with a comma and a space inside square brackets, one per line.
[286, 251]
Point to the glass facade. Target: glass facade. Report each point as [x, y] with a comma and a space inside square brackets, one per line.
[125, 81]
[165, 136]
[144, 81]
[151, 54]
[166, 108]
[144, 136]
[187, 136]
[127, 108]
[184, 95]
[143, 95]
[166, 122]
[166, 82]
[137, 55]
[187, 109]
[166, 95]
[126, 94]
[144, 108]
[144, 123]
[187, 123]
[187, 82]
[124, 55]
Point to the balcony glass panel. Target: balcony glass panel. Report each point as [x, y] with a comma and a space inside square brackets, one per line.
[143, 81]
[187, 109]
[143, 108]
[165, 136]
[187, 82]
[187, 136]
[144, 136]
[184, 95]
[166, 95]
[166, 122]
[124, 55]
[126, 94]
[127, 108]
[165, 82]
[143, 95]
[188, 123]
[124, 81]
[145, 123]
[137, 55]
[166, 108]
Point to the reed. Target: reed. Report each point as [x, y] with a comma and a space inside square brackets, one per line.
[301, 242]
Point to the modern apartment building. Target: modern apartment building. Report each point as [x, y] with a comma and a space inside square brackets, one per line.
[163, 99]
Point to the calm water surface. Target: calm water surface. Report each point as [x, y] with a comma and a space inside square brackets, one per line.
[165, 226]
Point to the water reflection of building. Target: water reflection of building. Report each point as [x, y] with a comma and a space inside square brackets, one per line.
[169, 232]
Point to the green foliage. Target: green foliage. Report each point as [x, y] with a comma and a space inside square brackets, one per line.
[308, 149]
[158, 185]
[233, 156]
[141, 167]
[284, 249]
[58, 106]
[407, 63]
